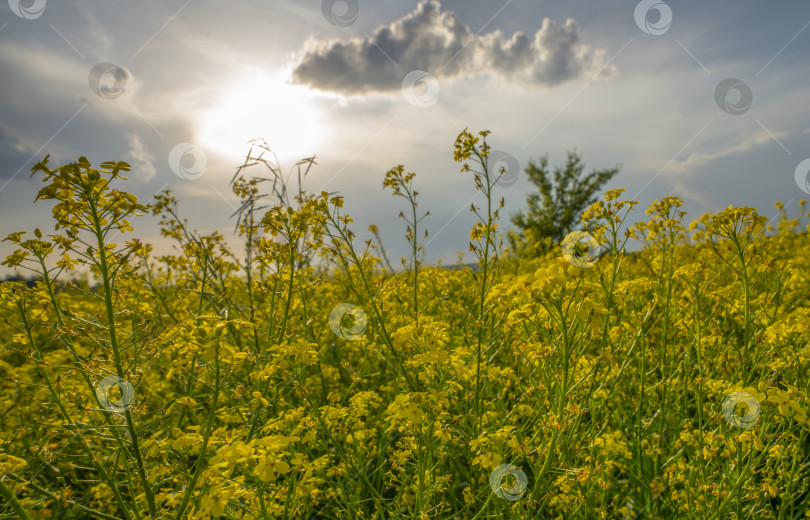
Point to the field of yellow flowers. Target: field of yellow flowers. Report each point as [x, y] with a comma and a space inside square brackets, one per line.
[303, 377]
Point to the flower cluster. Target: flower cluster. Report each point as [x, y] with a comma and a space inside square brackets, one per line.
[667, 382]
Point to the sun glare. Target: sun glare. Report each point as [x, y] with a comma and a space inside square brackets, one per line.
[261, 105]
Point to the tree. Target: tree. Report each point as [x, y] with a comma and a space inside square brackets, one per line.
[555, 209]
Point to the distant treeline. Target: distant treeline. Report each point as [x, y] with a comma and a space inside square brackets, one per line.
[59, 283]
[30, 282]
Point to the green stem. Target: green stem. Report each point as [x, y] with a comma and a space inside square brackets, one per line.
[733, 492]
[487, 189]
[15, 504]
[119, 367]
[198, 466]
[55, 396]
[74, 505]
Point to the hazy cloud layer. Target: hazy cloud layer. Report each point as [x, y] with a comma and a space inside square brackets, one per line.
[434, 41]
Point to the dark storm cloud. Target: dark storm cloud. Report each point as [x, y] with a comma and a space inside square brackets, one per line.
[435, 41]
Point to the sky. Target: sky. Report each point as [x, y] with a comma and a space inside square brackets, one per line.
[707, 101]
